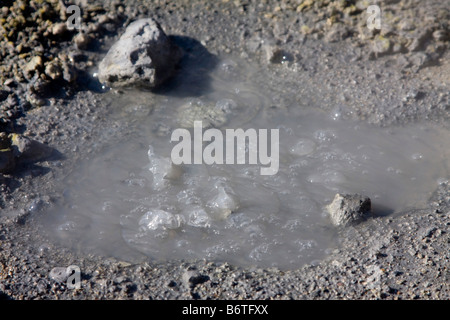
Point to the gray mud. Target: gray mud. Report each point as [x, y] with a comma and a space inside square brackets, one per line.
[322, 52]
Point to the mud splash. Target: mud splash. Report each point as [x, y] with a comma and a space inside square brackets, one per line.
[130, 202]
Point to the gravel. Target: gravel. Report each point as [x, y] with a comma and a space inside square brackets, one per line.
[392, 76]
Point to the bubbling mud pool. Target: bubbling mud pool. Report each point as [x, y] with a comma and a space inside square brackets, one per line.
[129, 201]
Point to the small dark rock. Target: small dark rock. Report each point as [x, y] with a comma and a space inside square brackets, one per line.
[172, 284]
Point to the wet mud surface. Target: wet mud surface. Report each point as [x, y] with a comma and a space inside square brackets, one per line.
[316, 55]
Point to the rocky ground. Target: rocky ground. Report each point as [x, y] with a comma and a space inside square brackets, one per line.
[396, 75]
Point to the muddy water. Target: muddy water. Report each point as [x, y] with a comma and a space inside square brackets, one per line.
[130, 201]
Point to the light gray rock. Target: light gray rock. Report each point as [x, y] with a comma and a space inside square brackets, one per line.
[59, 274]
[143, 56]
[348, 208]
